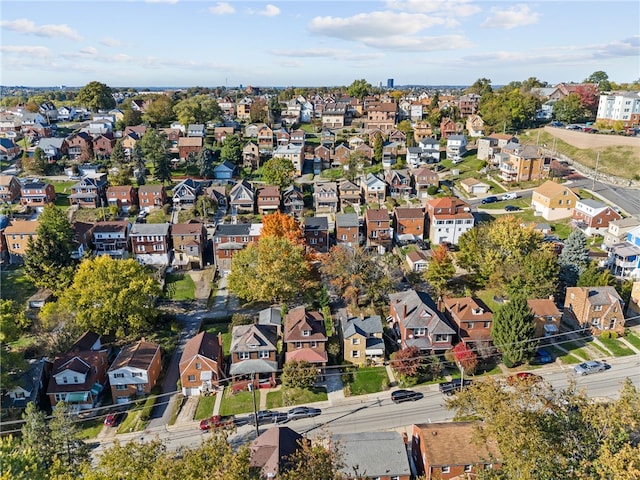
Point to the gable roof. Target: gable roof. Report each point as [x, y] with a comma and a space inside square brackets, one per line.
[137, 355]
[347, 220]
[299, 320]
[248, 338]
[316, 223]
[271, 450]
[543, 307]
[421, 312]
[190, 228]
[550, 189]
[150, 229]
[376, 215]
[408, 213]
[364, 326]
[204, 344]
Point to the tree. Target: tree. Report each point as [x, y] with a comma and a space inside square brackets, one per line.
[355, 164]
[573, 259]
[154, 147]
[158, 110]
[440, 270]
[594, 276]
[47, 260]
[109, 297]
[199, 109]
[117, 157]
[480, 87]
[137, 160]
[322, 460]
[35, 435]
[512, 331]
[122, 176]
[281, 225]
[205, 162]
[259, 111]
[406, 362]
[378, 145]
[232, 149]
[35, 165]
[359, 89]
[131, 117]
[274, 108]
[569, 109]
[274, 270]
[63, 435]
[10, 326]
[466, 358]
[299, 374]
[508, 109]
[601, 79]
[278, 171]
[18, 461]
[204, 206]
[96, 96]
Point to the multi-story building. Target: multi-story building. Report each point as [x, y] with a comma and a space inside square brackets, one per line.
[230, 238]
[523, 164]
[399, 183]
[349, 194]
[305, 337]
[619, 107]
[377, 226]
[268, 199]
[374, 189]
[362, 340]
[293, 153]
[151, 196]
[409, 224]
[546, 316]
[553, 200]
[253, 352]
[37, 194]
[189, 243]
[9, 188]
[293, 201]
[17, 237]
[594, 308]
[150, 243]
[593, 216]
[325, 197]
[90, 192]
[316, 233]
[449, 218]
[122, 196]
[242, 198]
[111, 238]
[333, 118]
[382, 116]
[201, 364]
[471, 319]
[135, 371]
[347, 229]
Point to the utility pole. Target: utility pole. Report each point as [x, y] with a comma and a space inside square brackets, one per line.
[593, 187]
[252, 386]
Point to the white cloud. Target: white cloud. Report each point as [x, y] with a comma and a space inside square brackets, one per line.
[110, 42]
[34, 51]
[511, 18]
[454, 8]
[419, 44]
[89, 51]
[335, 54]
[268, 11]
[28, 27]
[222, 8]
[291, 64]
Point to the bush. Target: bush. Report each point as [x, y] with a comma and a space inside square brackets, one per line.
[347, 390]
[166, 208]
[432, 190]
[605, 335]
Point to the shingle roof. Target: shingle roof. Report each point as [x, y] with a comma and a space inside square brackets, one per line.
[316, 223]
[347, 220]
[205, 344]
[364, 326]
[247, 338]
[150, 229]
[271, 450]
[421, 311]
[137, 355]
[379, 454]
[377, 215]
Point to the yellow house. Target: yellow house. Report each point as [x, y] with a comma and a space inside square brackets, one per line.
[362, 340]
[554, 200]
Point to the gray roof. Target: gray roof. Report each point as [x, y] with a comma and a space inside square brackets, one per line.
[603, 295]
[49, 142]
[590, 202]
[248, 338]
[246, 367]
[456, 137]
[347, 220]
[375, 454]
[421, 312]
[371, 179]
[316, 223]
[364, 326]
[227, 229]
[270, 316]
[150, 229]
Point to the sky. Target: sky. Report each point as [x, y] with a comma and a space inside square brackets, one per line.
[180, 43]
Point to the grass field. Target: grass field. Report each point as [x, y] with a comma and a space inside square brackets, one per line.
[368, 380]
[633, 339]
[179, 287]
[283, 398]
[205, 407]
[241, 402]
[15, 286]
[223, 328]
[616, 347]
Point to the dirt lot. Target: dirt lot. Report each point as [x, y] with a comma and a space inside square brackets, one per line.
[591, 140]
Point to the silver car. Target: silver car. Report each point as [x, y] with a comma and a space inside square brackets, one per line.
[592, 366]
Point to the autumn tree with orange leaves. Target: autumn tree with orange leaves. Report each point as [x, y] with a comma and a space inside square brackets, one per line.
[440, 270]
[281, 225]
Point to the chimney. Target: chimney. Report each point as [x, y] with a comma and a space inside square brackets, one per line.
[220, 339]
[404, 310]
[552, 298]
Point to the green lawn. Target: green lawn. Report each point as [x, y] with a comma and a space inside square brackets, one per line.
[368, 380]
[241, 402]
[158, 216]
[276, 399]
[487, 297]
[633, 339]
[616, 347]
[15, 286]
[179, 287]
[205, 407]
[90, 428]
[131, 423]
[222, 328]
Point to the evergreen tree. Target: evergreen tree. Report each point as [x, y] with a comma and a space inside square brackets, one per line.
[117, 157]
[204, 160]
[594, 276]
[63, 436]
[35, 434]
[378, 144]
[574, 258]
[137, 159]
[47, 260]
[232, 149]
[512, 331]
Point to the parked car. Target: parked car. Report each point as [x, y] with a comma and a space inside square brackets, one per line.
[489, 200]
[217, 421]
[279, 418]
[542, 356]
[556, 124]
[511, 208]
[113, 419]
[527, 377]
[573, 127]
[264, 416]
[509, 196]
[303, 412]
[592, 366]
[455, 385]
[400, 396]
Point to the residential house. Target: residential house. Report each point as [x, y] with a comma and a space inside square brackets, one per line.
[546, 316]
[82, 233]
[253, 352]
[381, 115]
[103, 145]
[196, 130]
[399, 183]
[325, 197]
[8, 149]
[90, 192]
[553, 200]
[365, 150]
[100, 127]
[66, 114]
[633, 308]
[272, 451]
[417, 322]
[230, 238]
[122, 196]
[53, 148]
[333, 118]
[438, 455]
[327, 137]
[423, 178]
[422, 129]
[377, 227]
[189, 244]
[618, 230]
[293, 201]
[186, 192]
[468, 104]
[79, 376]
[597, 309]
[399, 138]
[265, 139]
[111, 238]
[17, 236]
[471, 319]
[593, 216]
[150, 243]
[323, 153]
[241, 198]
[624, 257]
[29, 385]
[409, 224]
[151, 196]
[80, 146]
[362, 341]
[374, 189]
[282, 137]
[448, 127]
[475, 126]
[347, 229]
[349, 194]
[490, 145]
[218, 193]
[189, 145]
[251, 130]
[135, 371]
[251, 155]
[173, 135]
[449, 218]
[417, 261]
[524, 163]
[225, 170]
[316, 233]
[474, 186]
[341, 155]
[201, 364]
[221, 133]
[243, 108]
[374, 455]
[305, 336]
[37, 194]
[268, 199]
[293, 153]
[456, 146]
[355, 142]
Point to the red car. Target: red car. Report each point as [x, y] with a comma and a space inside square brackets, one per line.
[217, 421]
[113, 419]
[523, 377]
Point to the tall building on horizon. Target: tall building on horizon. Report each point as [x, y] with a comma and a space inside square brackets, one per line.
[389, 82]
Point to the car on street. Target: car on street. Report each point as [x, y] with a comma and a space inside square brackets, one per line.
[511, 208]
[523, 377]
[217, 421]
[264, 416]
[303, 412]
[542, 356]
[509, 196]
[592, 366]
[489, 200]
[455, 385]
[279, 418]
[556, 124]
[113, 419]
[400, 396]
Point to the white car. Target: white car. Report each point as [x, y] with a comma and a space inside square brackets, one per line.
[592, 366]
[509, 196]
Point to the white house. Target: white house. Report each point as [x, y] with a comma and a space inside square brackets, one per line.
[291, 152]
[456, 145]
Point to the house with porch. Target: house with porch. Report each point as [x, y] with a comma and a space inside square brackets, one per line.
[305, 336]
[374, 189]
[189, 243]
[456, 146]
[362, 340]
[377, 226]
[201, 364]
[268, 199]
[17, 236]
[325, 197]
[593, 216]
[293, 201]
[29, 385]
[399, 183]
[90, 192]
[111, 238]
[449, 218]
[409, 224]
[597, 309]
[241, 198]
[251, 155]
[36, 194]
[122, 196]
[471, 319]
[546, 316]
[231, 238]
[423, 178]
[9, 188]
[253, 353]
[135, 371]
[151, 196]
[150, 243]
[349, 194]
[186, 192]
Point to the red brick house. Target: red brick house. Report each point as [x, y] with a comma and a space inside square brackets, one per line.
[122, 196]
[187, 145]
[305, 336]
[593, 216]
[80, 146]
[254, 351]
[409, 223]
[103, 145]
[135, 371]
[377, 226]
[347, 229]
[268, 199]
[9, 188]
[381, 115]
[423, 178]
[316, 233]
[595, 308]
[323, 153]
[471, 319]
[37, 194]
[449, 127]
[150, 196]
[231, 238]
[201, 364]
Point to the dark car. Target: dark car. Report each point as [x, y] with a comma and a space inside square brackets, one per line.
[400, 396]
[113, 419]
[280, 418]
[455, 385]
[489, 200]
[511, 208]
[303, 412]
[542, 356]
[264, 416]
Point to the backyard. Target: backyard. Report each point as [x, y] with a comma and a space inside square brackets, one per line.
[179, 286]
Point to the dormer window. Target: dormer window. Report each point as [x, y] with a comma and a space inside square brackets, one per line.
[306, 333]
[477, 311]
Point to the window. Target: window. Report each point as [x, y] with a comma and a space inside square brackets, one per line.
[445, 469]
[65, 380]
[597, 308]
[141, 248]
[60, 397]
[441, 338]
[263, 354]
[470, 325]
[355, 353]
[595, 321]
[75, 379]
[118, 375]
[191, 378]
[306, 333]
[314, 344]
[420, 332]
[243, 355]
[298, 344]
[136, 374]
[157, 248]
[198, 366]
[355, 341]
[467, 468]
[121, 387]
